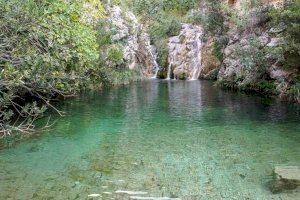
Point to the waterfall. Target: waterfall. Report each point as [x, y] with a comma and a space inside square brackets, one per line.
[155, 67]
[194, 75]
[185, 53]
[197, 65]
[169, 73]
[156, 72]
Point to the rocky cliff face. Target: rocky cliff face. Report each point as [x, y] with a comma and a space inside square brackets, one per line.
[249, 62]
[246, 61]
[138, 54]
[185, 53]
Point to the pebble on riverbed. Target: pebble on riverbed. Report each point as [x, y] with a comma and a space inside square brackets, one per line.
[287, 178]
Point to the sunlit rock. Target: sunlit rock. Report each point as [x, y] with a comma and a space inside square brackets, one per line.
[287, 178]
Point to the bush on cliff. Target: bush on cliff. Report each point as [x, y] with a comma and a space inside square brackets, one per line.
[288, 19]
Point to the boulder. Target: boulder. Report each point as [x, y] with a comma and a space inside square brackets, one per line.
[286, 178]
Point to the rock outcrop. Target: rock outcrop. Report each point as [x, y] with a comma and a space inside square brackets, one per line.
[138, 53]
[185, 53]
[247, 58]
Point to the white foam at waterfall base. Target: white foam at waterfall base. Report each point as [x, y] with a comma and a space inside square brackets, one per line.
[156, 73]
[169, 73]
[195, 74]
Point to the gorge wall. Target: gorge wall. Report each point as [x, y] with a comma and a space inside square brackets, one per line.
[246, 61]
[132, 39]
[240, 57]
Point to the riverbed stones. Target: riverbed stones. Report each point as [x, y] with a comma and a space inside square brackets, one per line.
[286, 178]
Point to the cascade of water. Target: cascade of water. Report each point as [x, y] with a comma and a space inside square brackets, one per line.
[156, 67]
[169, 73]
[156, 73]
[197, 64]
[194, 75]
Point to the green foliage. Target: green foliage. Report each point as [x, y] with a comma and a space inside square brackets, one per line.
[211, 18]
[48, 48]
[104, 33]
[112, 76]
[164, 26]
[115, 55]
[218, 47]
[241, 18]
[263, 87]
[288, 18]
[195, 17]
[213, 21]
[252, 55]
[294, 92]
[153, 7]
[111, 52]
[162, 57]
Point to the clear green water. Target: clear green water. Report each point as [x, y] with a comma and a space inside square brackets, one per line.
[175, 139]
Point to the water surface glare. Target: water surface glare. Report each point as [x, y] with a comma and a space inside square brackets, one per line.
[178, 139]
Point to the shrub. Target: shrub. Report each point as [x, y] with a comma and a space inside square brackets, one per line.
[164, 26]
[152, 7]
[294, 92]
[115, 55]
[288, 18]
[252, 55]
[213, 21]
[48, 48]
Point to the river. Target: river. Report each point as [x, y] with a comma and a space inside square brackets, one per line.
[184, 140]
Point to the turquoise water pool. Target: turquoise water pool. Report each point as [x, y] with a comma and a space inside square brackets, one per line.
[178, 139]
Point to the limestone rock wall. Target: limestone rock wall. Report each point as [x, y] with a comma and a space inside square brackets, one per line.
[185, 53]
[264, 66]
[138, 53]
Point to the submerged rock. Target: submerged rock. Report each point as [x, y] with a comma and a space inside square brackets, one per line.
[287, 178]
